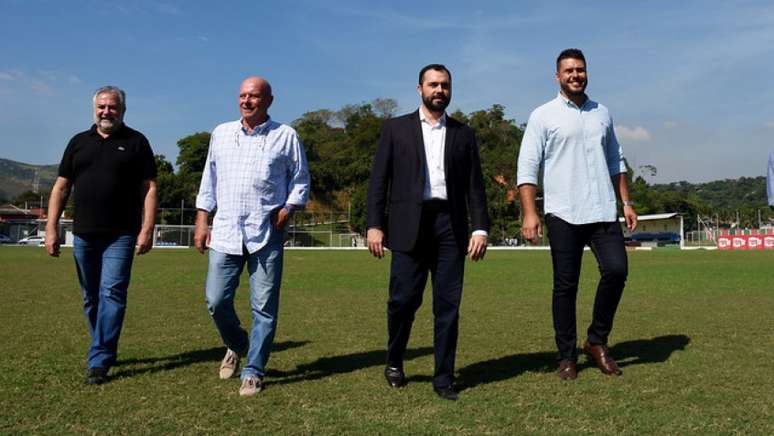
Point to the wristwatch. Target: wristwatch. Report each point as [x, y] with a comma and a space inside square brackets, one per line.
[628, 203]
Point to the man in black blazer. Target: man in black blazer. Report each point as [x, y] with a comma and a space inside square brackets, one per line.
[426, 179]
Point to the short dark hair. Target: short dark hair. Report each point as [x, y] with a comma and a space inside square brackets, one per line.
[436, 67]
[570, 53]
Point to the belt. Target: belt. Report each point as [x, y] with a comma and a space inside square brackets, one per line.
[435, 205]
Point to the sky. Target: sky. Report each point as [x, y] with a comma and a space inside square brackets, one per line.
[689, 83]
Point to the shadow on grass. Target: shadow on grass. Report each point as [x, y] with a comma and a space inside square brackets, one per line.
[503, 368]
[654, 350]
[167, 363]
[641, 351]
[345, 363]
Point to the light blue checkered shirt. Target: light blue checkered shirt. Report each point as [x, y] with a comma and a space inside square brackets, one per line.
[579, 153]
[247, 177]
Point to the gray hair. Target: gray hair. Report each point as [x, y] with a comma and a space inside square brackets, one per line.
[118, 92]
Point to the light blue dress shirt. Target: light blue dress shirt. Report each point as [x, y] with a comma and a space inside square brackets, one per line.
[248, 177]
[770, 179]
[578, 152]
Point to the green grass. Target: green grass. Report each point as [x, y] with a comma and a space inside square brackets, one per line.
[693, 334]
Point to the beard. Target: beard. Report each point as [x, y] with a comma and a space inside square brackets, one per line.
[570, 92]
[436, 107]
[107, 125]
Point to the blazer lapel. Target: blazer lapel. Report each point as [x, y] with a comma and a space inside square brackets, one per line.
[420, 148]
[448, 145]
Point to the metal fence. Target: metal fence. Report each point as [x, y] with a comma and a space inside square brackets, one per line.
[305, 229]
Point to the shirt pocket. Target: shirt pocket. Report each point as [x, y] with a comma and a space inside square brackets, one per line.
[597, 132]
[272, 172]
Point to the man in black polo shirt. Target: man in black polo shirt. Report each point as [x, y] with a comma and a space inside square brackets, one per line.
[112, 170]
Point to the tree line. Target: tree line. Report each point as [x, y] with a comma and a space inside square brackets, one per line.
[340, 145]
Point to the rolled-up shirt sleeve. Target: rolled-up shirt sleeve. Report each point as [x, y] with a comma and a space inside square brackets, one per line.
[614, 153]
[531, 152]
[207, 197]
[298, 181]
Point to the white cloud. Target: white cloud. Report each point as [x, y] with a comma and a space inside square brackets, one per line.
[40, 82]
[638, 133]
[670, 124]
[40, 87]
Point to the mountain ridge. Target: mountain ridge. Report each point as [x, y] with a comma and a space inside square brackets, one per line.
[18, 177]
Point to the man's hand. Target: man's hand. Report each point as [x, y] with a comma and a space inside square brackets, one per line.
[52, 242]
[201, 232]
[144, 242]
[631, 218]
[280, 219]
[59, 195]
[477, 247]
[530, 227]
[375, 239]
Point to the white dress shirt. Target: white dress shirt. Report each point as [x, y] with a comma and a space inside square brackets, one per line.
[434, 137]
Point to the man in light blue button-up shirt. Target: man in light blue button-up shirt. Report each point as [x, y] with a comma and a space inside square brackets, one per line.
[255, 176]
[572, 138]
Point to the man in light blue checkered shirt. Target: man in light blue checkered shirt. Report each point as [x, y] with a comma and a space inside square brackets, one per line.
[255, 176]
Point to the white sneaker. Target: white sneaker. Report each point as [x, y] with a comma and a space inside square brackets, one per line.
[251, 385]
[229, 364]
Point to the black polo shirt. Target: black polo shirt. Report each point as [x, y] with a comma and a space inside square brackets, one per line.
[107, 176]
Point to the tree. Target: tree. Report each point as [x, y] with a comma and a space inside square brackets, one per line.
[320, 141]
[499, 141]
[193, 152]
[340, 145]
[163, 166]
[385, 107]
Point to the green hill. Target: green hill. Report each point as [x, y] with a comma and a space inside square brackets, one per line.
[18, 177]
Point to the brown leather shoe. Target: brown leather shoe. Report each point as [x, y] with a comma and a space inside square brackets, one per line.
[567, 369]
[601, 356]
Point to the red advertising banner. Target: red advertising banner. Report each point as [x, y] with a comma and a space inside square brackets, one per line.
[745, 242]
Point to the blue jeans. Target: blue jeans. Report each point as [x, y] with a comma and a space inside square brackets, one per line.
[265, 270]
[104, 264]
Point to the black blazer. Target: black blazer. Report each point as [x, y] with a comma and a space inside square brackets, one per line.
[394, 202]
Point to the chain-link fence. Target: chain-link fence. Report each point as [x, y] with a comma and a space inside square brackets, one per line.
[305, 229]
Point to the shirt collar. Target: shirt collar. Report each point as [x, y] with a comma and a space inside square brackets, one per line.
[423, 118]
[93, 131]
[569, 102]
[259, 129]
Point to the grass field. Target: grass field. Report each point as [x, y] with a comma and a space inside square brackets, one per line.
[693, 334]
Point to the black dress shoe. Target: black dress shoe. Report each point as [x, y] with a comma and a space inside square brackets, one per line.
[395, 377]
[446, 392]
[96, 376]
